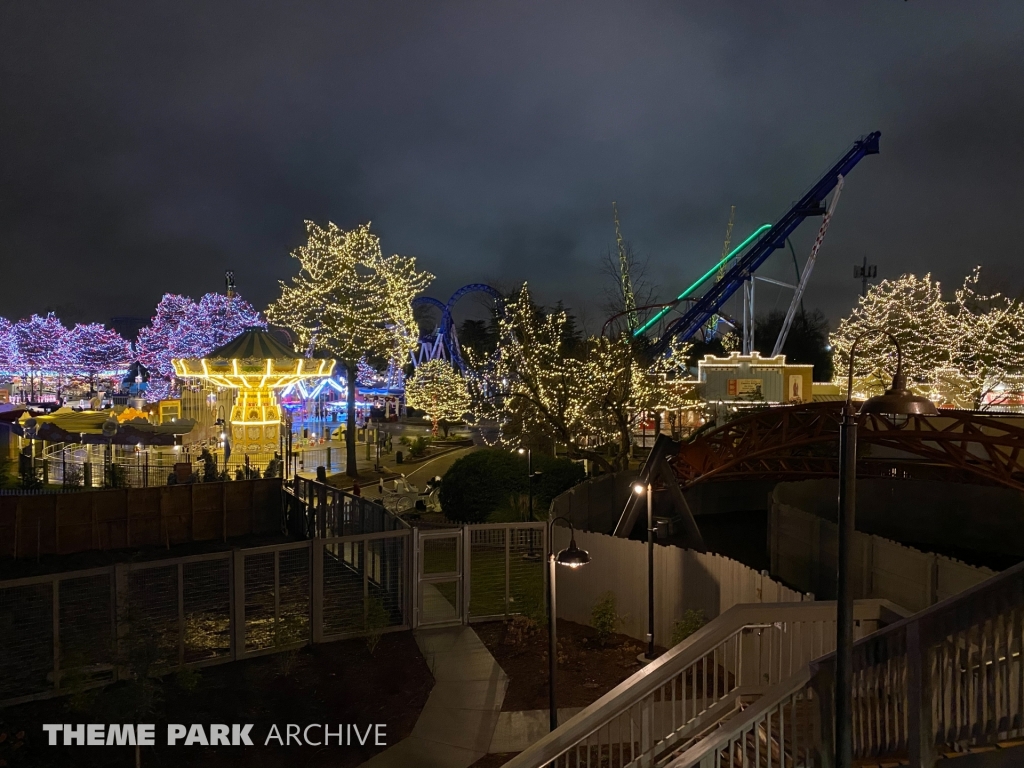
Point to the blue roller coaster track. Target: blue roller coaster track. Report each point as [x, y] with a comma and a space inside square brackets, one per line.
[774, 237]
[443, 341]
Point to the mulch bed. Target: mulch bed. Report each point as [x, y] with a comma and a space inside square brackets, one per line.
[493, 761]
[332, 683]
[586, 670]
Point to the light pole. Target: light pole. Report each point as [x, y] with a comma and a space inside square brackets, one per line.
[640, 488]
[529, 476]
[573, 557]
[897, 401]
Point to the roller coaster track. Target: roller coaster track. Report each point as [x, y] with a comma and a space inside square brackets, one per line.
[444, 341]
[797, 442]
[769, 238]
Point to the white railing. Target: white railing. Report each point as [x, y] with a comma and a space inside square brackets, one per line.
[947, 680]
[713, 674]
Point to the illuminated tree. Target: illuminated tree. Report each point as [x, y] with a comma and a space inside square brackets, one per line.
[92, 349]
[162, 339]
[439, 390]
[912, 310]
[10, 361]
[40, 342]
[350, 301]
[961, 352]
[588, 398]
[183, 328]
[986, 345]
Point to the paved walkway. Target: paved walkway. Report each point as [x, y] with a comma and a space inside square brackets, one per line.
[454, 729]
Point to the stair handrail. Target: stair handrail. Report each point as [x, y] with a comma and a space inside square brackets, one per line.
[912, 642]
[717, 634]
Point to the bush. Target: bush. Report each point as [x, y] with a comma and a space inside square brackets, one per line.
[7, 472]
[418, 446]
[557, 476]
[604, 618]
[117, 476]
[483, 482]
[693, 619]
[73, 476]
[209, 466]
[377, 621]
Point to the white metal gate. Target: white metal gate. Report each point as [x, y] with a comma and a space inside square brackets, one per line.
[479, 572]
[439, 577]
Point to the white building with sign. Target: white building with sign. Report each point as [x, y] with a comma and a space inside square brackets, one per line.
[749, 379]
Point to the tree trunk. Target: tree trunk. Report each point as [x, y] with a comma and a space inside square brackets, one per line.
[350, 420]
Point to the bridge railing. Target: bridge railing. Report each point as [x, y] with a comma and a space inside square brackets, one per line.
[947, 680]
[743, 652]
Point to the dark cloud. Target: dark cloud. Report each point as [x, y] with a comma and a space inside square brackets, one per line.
[147, 147]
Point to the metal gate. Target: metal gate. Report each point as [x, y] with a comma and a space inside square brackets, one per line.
[439, 577]
[479, 573]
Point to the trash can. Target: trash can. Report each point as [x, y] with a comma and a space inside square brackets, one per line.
[398, 457]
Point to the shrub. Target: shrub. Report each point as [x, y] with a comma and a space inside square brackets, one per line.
[483, 482]
[557, 476]
[117, 476]
[377, 621]
[515, 509]
[418, 446]
[693, 619]
[7, 472]
[73, 476]
[209, 466]
[604, 618]
[188, 678]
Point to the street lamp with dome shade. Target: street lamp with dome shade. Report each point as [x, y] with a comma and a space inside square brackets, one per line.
[571, 557]
[896, 401]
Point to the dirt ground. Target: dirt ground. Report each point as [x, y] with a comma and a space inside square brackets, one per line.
[332, 683]
[586, 670]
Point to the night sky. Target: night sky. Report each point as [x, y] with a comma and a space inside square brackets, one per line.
[148, 146]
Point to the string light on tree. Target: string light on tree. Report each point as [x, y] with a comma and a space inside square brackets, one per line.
[965, 352]
[349, 300]
[439, 390]
[584, 395]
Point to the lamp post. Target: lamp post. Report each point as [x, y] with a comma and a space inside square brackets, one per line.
[640, 488]
[572, 557]
[529, 476]
[897, 401]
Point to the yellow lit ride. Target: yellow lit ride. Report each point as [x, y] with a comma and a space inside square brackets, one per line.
[254, 363]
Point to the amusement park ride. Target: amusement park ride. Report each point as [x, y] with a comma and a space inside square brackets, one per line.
[703, 313]
[443, 341]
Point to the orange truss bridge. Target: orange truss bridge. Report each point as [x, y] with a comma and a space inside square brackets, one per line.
[800, 442]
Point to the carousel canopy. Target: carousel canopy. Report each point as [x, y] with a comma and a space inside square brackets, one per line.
[253, 343]
[253, 360]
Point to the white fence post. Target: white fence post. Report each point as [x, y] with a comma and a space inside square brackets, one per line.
[464, 571]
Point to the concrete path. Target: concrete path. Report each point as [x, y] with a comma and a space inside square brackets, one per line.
[457, 723]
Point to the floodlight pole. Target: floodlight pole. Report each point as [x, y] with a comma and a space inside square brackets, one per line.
[650, 571]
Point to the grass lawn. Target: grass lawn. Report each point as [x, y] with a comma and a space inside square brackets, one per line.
[487, 574]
